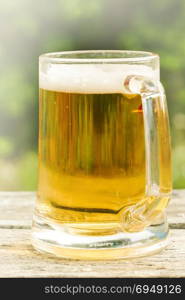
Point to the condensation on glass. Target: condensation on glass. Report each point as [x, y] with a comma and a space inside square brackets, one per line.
[104, 155]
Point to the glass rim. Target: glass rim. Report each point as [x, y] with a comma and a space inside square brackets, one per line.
[118, 56]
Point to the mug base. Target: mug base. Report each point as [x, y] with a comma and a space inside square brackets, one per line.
[64, 241]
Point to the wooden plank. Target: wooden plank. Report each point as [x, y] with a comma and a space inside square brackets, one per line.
[18, 259]
[16, 209]
[176, 210]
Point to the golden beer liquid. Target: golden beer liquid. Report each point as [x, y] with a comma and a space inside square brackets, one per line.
[92, 160]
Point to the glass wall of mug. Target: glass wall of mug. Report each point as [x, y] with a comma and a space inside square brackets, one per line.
[104, 155]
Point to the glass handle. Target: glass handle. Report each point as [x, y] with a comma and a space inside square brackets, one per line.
[157, 151]
[151, 92]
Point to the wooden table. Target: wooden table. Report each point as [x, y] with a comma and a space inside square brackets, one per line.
[19, 259]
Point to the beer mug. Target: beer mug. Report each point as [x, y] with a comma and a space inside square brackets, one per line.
[104, 155]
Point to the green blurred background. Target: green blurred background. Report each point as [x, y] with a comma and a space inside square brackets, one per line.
[30, 27]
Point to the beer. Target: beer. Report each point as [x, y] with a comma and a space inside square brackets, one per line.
[92, 160]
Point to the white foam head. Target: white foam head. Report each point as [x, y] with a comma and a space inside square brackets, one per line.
[91, 78]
